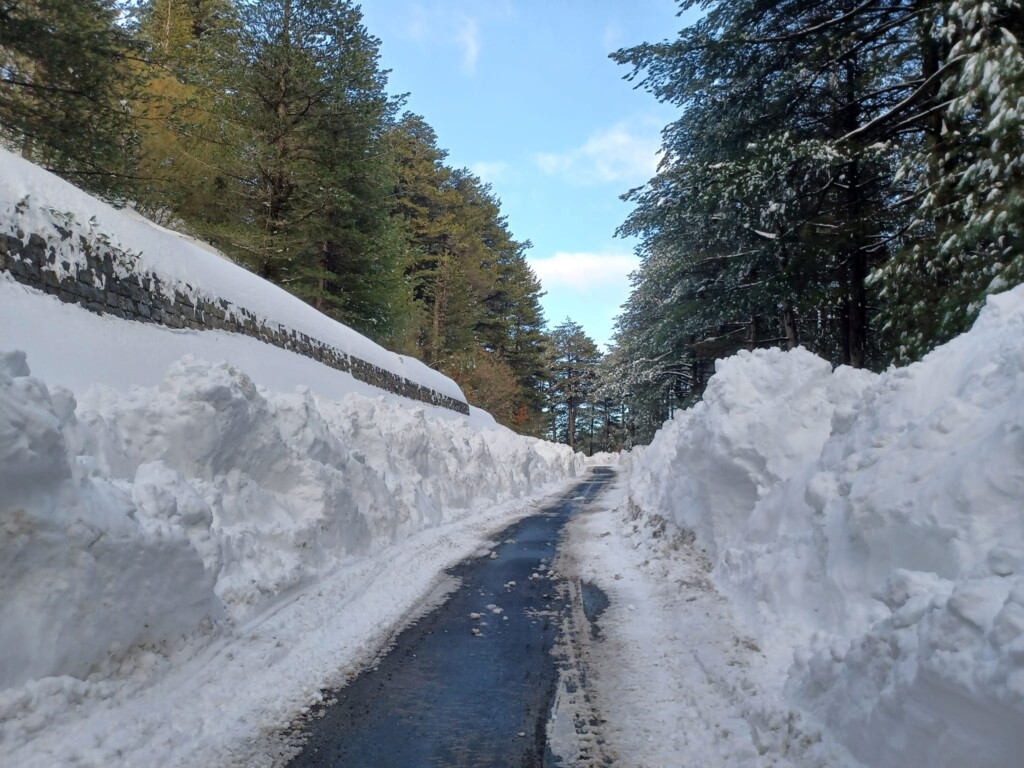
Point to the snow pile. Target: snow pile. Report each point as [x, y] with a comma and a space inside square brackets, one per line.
[869, 526]
[163, 515]
[764, 415]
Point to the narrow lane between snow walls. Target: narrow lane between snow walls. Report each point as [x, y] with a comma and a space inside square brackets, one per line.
[492, 677]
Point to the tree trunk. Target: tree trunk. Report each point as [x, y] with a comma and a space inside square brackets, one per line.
[436, 317]
[844, 325]
[856, 256]
[789, 323]
[858, 310]
[571, 426]
[319, 303]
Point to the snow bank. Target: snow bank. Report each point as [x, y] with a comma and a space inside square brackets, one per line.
[142, 519]
[871, 525]
[39, 202]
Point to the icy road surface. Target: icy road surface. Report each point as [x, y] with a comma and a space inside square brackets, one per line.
[474, 682]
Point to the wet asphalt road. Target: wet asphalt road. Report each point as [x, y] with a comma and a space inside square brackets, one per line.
[457, 690]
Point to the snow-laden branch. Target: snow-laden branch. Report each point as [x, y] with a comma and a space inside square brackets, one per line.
[903, 104]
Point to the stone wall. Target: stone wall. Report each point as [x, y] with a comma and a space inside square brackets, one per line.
[104, 279]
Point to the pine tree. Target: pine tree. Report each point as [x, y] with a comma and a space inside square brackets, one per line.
[574, 358]
[65, 84]
[304, 170]
[967, 241]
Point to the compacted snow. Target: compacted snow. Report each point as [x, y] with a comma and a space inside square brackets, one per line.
[866, 532]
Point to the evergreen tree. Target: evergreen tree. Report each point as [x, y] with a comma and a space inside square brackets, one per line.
[65, 84]
[307, 179]
[967, 240]
[514, 329]
[574, 358]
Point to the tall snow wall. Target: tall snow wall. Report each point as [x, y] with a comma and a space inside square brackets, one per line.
[870, 527]
[151, 498]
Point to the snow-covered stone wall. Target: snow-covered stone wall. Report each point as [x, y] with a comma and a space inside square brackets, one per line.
[56, 238]
[99, 276]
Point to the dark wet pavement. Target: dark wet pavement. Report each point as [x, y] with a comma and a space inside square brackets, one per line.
[457, 690]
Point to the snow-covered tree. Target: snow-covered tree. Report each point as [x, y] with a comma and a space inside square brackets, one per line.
[968, 235]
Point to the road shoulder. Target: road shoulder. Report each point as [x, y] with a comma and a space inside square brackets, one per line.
[676, 678]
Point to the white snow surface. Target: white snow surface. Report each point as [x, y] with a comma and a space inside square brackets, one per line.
[37, 202]
[152, 538]
[677, 675]
[868, 529]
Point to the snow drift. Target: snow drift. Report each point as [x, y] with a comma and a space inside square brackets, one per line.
[141, 518]
[869, 525]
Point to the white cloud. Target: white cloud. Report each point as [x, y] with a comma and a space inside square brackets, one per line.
[584, 271]
[468, 37]
[491, 172]
[620, 154]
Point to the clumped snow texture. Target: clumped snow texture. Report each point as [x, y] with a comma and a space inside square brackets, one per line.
[148, 518]
[870, 526]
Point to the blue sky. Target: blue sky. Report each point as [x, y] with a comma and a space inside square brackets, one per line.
[522, 92]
